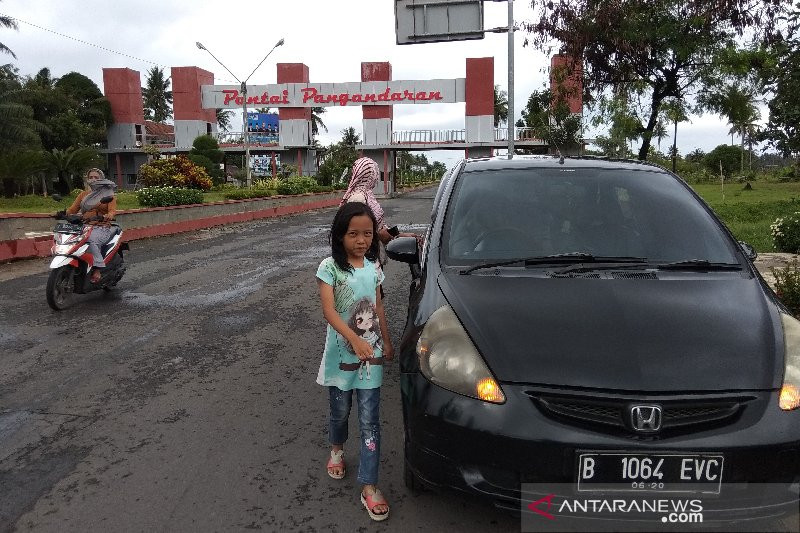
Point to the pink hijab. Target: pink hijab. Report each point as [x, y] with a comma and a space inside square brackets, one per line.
[364, 179]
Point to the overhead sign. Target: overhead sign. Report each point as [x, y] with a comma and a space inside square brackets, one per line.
[336, 94]
[430, 21]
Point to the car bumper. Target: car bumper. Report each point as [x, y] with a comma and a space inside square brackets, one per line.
[491, 450]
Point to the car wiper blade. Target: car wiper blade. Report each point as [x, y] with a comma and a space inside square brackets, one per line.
[571, 257]
[698, 264]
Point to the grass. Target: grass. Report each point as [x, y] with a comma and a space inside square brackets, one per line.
[749, 213]
[39, 204]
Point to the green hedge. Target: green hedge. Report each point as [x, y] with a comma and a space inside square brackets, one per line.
[166, 196]
[242, 194]
[297, 185]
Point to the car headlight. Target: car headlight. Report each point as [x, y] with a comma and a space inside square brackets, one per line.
[790, 390]
[448, 358]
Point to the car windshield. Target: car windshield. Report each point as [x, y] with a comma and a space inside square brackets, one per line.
[643, 213]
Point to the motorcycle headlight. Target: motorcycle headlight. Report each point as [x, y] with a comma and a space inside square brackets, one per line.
[790, 390]
[448, 358]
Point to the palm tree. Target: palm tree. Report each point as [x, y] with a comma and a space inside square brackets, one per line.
[660, 132]
[17, 166]
[738, 105]
[7, 22]
[500, 106]
[64, 163]
[224, 119]
[675, 111]
[156, 97]
[316, 120]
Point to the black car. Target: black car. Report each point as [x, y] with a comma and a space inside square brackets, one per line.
[591, 323]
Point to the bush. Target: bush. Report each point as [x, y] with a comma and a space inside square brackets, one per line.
[297, 185]
[241, 194]
[166, 196]
[177, 172]
[787, 286]
[786, 233]
[729, 156]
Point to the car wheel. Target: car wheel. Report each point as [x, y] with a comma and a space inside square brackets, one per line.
[412, 482]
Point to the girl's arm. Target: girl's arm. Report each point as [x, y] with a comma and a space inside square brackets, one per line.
[361, 347]
[388, 349]
[112, 209]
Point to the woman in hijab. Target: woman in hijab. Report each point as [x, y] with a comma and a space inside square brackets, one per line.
[96, 214]
[364, 179]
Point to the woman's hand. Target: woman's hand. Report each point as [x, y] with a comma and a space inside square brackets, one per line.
[362, 349]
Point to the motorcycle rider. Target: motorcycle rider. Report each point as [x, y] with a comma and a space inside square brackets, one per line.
[97, 214]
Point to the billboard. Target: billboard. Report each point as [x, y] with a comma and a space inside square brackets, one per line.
[262, 127]
[430, 21]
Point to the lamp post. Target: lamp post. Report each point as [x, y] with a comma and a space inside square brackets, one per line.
[243, 89]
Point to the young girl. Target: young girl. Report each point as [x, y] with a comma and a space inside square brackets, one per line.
[354, 353]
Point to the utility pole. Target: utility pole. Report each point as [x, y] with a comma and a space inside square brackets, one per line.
[510, 79]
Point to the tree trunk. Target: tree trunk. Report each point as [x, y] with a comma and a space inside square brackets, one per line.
[9, 187]
[742, 148]
[647, 135]
[675, 147]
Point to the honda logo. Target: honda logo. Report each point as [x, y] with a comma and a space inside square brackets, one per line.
[646, 418]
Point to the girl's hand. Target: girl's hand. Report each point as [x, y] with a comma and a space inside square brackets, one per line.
[362, 349]
[388, 351]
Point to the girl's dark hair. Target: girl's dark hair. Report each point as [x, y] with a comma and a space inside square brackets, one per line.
[341, 221]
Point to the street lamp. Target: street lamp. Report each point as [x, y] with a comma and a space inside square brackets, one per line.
[244, 102]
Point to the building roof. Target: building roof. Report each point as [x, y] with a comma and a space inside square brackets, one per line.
[158, 129]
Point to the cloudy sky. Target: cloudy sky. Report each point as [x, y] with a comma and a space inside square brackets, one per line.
[332, 38]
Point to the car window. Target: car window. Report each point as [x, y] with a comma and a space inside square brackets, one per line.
[497, 214]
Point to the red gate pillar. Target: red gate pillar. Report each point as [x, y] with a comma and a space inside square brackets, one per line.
[377, 124]
[479, 111]
[294, 127]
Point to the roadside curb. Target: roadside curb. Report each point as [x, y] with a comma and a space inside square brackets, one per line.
[39, 246]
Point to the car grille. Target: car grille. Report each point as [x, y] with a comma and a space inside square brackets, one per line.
[613, 414]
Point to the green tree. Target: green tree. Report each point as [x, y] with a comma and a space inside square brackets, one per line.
[350, 137]
[738, 105]
[724, 155]
[224, 117]
[783, 126]
[549, 117]
[500, 106]
[674, 111]
[660, 48]
[156, 96]
[70, 163]
[206, 153]
[7, 22]
[316, 120]
[17, 166]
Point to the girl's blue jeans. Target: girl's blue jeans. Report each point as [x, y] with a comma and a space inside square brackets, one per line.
[369, 403]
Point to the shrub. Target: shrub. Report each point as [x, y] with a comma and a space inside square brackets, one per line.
[271, 183]
[177, 172]
[787, 286]
[786, 233]
[728, 156]
[297, 185]
[241, 194]
[166, 196]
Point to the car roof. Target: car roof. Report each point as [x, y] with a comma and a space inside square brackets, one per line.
[544, 161]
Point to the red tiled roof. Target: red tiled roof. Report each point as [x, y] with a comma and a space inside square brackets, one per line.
[158, 129]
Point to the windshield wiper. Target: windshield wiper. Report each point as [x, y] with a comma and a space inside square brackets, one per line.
[569, 258]
[698, 264]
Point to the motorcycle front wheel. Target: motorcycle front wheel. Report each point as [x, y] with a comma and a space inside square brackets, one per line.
[60, 287]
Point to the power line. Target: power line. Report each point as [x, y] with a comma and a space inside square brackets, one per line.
[92, 44]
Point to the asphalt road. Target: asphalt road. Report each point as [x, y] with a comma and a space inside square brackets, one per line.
[186, 401]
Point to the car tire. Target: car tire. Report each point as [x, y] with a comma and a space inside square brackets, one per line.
[412, 482]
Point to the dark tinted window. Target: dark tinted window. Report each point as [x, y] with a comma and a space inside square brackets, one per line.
[618, 212]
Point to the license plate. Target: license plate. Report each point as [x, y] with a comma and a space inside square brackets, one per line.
[66, 227]
[649, 472]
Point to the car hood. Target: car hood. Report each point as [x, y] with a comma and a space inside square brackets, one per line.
[625, 334]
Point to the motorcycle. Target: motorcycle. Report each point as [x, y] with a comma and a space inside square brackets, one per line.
[72, 261]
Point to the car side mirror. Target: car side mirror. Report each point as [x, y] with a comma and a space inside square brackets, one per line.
[749, 251]
[106, 199]
[403, 249]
